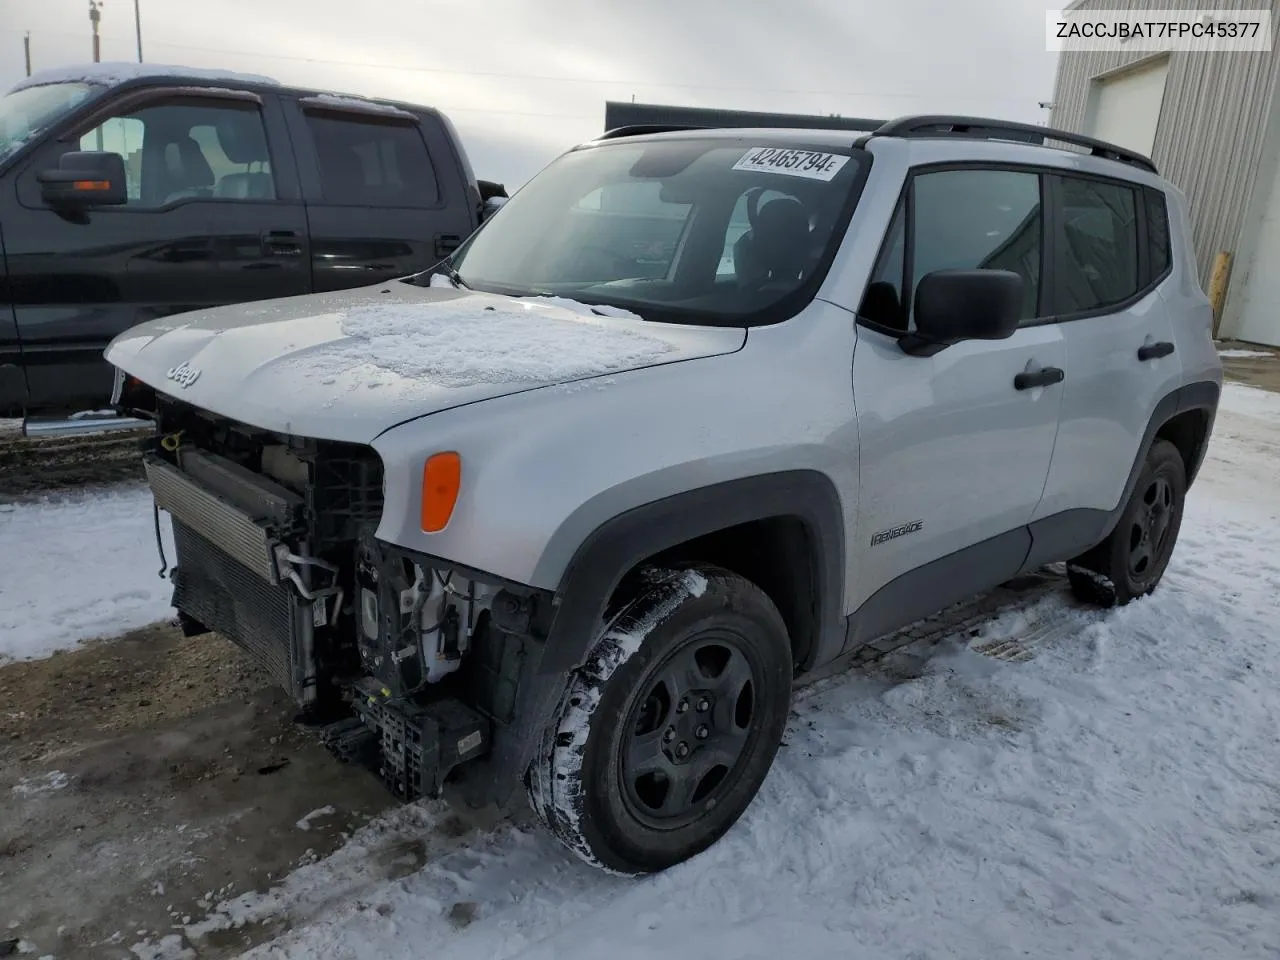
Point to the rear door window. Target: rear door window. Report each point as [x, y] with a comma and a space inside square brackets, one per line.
[1096, 247]
[372, 162]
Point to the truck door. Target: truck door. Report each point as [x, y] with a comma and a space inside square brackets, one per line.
[385, 193]
[213, 217]
[13, 380]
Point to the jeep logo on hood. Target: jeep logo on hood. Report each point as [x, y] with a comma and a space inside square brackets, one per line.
[183, 374]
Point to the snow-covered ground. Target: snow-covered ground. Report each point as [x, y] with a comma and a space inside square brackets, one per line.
[77, 567]
[1245, 354]
[1116, 796]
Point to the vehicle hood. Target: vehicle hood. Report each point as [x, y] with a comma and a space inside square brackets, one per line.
[352, 364]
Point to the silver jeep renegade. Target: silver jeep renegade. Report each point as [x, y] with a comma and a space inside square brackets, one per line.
[695, 414]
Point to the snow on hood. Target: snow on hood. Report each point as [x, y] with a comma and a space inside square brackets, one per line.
[351, 364]
[111, 73]
[462, 344]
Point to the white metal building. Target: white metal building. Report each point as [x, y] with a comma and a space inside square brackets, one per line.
[1211, 124]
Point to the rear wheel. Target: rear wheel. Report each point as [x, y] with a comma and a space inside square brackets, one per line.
[666, 734]
[1132, 560]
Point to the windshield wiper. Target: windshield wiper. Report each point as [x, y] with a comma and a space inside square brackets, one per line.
[454, 276]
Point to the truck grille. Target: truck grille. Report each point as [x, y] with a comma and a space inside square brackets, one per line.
[265, 620]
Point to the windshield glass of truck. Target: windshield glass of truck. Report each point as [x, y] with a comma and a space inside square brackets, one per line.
[696, 231]
[25, 113]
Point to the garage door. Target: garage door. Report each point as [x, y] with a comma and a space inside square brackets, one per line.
[1124, 109]
[1259, 316]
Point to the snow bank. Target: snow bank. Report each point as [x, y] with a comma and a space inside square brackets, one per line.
[1252, 402]
[1243, 354]
[114, 72]
[1117, 796]
[463, 343]
[77, 567]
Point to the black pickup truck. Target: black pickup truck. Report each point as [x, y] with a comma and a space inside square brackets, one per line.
[129, 192]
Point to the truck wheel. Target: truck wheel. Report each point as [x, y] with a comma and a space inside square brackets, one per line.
[665, 735]
[1131, 561]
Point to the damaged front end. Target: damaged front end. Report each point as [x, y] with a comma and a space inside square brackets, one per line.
[406, 664]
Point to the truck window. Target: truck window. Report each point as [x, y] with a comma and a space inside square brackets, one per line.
[372, 163]
[177, 151]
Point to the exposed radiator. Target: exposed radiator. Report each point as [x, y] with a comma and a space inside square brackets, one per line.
[217, 519]
[266, 620]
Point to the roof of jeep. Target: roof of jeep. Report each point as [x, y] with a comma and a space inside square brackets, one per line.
[840, 139]
[937, 128]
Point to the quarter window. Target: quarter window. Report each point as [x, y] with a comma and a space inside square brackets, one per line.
[1158, 233]
[373, 163]
[883, 304]
[1097, 245]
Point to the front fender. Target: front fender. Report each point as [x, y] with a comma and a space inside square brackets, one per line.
[566, 488]
[542, 469]
[617, 546]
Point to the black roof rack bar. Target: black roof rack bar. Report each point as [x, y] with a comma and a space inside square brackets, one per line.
[640, 129]
[923, 126]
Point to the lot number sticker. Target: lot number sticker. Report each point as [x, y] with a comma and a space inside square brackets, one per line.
[792, 163]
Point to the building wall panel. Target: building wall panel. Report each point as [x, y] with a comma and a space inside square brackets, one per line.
[1212, 120]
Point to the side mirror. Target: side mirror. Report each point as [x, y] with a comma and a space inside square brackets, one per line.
[955, 305]
[85, 179]
[492, 197]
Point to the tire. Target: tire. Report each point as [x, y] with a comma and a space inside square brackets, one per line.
[616, 767]
[1132, 560]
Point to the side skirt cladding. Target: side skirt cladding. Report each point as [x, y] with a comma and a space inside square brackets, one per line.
[603, 560]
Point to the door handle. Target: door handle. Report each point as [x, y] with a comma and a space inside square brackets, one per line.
[1151, 351]
[281, 243]
[1038, 378]
[446, 244]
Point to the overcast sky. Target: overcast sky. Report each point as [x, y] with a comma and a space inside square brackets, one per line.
[525, 79]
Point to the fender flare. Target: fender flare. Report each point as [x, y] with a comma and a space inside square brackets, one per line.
[618, 545]
[1201, 395]
[1075, 532]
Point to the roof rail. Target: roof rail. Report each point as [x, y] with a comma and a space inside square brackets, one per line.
[640, 129]
[987, 129]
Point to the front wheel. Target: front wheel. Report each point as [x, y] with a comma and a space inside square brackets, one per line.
[1132, 560]
[667, 732]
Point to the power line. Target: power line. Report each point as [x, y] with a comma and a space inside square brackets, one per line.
[445, 71]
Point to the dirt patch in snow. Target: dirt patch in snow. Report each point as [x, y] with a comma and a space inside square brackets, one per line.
[37, 464]
[132, 794]
[150, 676]
[1250, 364]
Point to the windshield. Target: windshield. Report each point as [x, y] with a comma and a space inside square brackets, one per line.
[697, 231]
[27, 112]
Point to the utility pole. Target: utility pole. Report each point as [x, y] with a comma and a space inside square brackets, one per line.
[137, 26]
[94, 17]
[26, 49]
